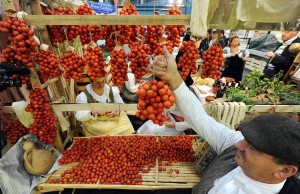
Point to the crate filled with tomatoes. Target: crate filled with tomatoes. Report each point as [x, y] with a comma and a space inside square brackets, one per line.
[128, 162]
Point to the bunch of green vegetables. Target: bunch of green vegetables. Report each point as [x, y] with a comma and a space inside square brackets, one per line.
[254, 84]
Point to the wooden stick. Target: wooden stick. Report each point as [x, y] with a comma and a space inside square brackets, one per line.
[68, 138]
[50, 190]
[128, 187]
[47, 83]
[107, 20]
[156, 171]
[37, 11]
[133, 107]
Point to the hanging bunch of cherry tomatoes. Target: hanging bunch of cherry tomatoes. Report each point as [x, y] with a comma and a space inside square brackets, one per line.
[213, 61]
[22, 42]
[14, 130]
[73, 65]
[86, 32]
[95, 61]
[174, 32]
[118, 67]
[159, 47]
[153, 98]
[58, 33]
[127, 33]
[109, 43]
[139, 59]
[48, 65]
[154, 33]
[187, 62]
[44, 121]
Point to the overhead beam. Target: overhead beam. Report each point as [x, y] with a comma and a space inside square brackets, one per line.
[107, 20]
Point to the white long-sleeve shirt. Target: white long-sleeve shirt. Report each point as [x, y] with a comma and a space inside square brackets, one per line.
[220, 138]
[130, 84]
[153, 129]
[241, 53]
[103, 99]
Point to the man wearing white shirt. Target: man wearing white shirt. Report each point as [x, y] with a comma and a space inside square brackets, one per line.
[262, 158]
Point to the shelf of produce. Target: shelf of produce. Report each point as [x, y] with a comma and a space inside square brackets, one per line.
[153, 180]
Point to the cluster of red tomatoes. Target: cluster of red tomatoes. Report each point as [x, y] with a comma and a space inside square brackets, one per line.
[121, 160]
[153, 98]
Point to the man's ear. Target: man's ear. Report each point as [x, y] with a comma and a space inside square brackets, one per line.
[286, 171]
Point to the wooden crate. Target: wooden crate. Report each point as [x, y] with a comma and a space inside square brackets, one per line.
[153, 180]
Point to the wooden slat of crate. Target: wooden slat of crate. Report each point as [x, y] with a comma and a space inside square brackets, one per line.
[153, 180]
[107, 20]
[186, 178]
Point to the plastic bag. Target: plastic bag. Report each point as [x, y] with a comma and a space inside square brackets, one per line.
[265, 43]
[24, 117]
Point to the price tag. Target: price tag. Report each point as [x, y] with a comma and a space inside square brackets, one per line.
[92, 44]
[126, 4]
[118, 43]
[9, 8]
[162, 41]
[70, 48]
[43, 4]
[44, 47]
[118, 48]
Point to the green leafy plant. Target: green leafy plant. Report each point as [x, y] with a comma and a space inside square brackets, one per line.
[254, 84]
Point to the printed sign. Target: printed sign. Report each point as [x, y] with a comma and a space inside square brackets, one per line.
[102, 8]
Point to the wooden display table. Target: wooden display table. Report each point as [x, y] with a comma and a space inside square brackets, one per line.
[153, 180]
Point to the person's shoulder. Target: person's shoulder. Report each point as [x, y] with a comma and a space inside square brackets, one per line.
[115, 89]
[297, 40]
[81, 96]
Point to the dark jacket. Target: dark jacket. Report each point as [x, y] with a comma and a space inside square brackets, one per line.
[285, 60]
[204, 45]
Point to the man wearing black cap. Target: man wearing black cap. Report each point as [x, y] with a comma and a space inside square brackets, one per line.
[261, 159]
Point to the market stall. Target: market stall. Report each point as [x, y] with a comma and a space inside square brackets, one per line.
[64, 64]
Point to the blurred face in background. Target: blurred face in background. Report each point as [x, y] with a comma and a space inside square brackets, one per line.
[208, 35]
[98, 83]
[215, 35]
[287, 35]
[235, 42]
